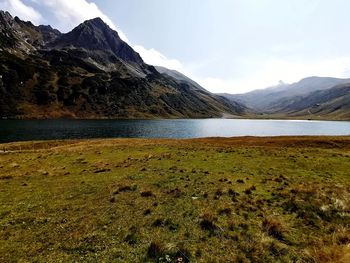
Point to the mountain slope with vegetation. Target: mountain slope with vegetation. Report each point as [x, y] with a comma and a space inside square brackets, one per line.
[313, 97]
[90, 73]
[332, 103]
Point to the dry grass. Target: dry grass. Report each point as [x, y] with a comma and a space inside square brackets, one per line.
[206, 200]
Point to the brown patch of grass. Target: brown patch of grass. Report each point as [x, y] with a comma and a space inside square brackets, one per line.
[331, 254]
[275, 228]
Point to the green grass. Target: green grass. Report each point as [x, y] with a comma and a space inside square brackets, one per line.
[210, 200]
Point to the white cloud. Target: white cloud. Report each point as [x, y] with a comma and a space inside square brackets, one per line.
[154, 57]
[71, 13]
[274, 70]
[18, 8]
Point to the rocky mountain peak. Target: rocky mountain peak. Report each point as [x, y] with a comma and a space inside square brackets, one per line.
[98, 22]
[6, 20]
[49, 34]
[96, 35]
[7, 38]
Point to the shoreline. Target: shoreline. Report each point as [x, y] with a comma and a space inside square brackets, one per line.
[252, 141]
[231, 117]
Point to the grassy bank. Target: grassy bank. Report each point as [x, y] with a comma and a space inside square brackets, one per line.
[209, 200]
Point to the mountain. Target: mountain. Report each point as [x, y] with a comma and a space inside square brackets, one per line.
[178, 77]
[91, 73]
[95, 36]
[333, 103]
[286, 100]
[22, 38]
[265, 99]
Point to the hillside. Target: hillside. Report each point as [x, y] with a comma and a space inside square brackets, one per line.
[265, 98]
[178, 76]
[333, 103]
[90, 73]
[313, 97]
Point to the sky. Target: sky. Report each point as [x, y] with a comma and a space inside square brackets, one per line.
[232, 46]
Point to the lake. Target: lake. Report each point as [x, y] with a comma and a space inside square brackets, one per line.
[24, 130]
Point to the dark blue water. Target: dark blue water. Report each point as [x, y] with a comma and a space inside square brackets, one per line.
[24, 130]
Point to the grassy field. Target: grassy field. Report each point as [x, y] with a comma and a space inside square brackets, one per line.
[208, 200]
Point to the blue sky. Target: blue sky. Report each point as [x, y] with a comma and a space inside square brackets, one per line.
[226, 45]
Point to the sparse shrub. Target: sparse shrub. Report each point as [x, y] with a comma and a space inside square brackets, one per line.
[241, 259]
[225, 211]
[147, 212]
[232, 193]
[175, 192]
[277, 250]
[250, 190]
[274, 228]
[147, 194]
[155, 250]
[208, 223]
[173, 227]
[198, 253]
[131, 238]
[158, 223]
[343, 239]
[278, 180]
[219, 193]
[243, 226]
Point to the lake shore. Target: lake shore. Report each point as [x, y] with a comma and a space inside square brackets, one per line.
[260, 199]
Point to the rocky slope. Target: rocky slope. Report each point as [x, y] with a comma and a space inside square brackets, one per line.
[91, 73]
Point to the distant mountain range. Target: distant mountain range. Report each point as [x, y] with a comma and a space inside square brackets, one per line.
[311, 98]
[91, 73]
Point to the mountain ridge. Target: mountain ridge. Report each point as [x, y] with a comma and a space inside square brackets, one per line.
[90, 72]
[285, 100]
[96, 35]
[272, 94]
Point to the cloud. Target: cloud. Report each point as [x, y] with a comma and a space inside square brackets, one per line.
[18, 8]
[273, 70]
[70, 13]
[154, 57]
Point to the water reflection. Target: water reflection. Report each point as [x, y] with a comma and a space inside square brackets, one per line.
[21, 130]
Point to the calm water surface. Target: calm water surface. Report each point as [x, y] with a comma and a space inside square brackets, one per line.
[24, 130]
